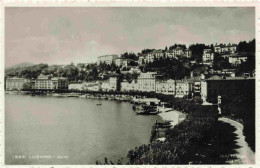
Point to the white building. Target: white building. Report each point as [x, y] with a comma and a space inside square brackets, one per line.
[126, 62]
[108, 59]
[170, 54]
[43, 82]
[16, 83]
[178, 51]
[237, 59]
[188, 53]
[165, 87]
[94, 86]
[225, 48]
[183, 88]
[105, 86]
[208, 56]
[119, 62]
[141, 60]
[76, 86]
[129, 86]
[146, 82]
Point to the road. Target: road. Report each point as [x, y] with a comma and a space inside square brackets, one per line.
[244, 154]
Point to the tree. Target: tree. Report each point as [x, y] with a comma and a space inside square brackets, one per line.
[197, 50]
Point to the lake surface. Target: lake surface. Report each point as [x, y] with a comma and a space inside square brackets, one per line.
[71, 130]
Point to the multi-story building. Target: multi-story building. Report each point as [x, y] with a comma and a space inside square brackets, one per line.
[60, 83]
[114, 83]
[170, 54]
[146, 82]
[119, 62]
[46, 82]
[155, 54]
[141, 60]
[216, 86]
[237, 59]
[126, 62]
[107, 59]
[105, 86]
[184, 88]
[188, 53]
[76, 86]
[208, 56]
[225, 48]
[179, 51]
[16, 83]
[165, 87]
[92, 86]
[129, 86]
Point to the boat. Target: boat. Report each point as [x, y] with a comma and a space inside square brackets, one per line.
[138, 107]
[83, 96]
[147, 112]
[99, 104]
[73, 95]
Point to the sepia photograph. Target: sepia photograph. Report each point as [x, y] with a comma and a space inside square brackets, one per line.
[129, 85]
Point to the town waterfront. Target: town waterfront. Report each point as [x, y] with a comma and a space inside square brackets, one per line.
[71, 130]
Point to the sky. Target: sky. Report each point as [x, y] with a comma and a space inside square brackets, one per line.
[63, 35]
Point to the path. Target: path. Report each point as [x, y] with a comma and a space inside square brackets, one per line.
[244, 153]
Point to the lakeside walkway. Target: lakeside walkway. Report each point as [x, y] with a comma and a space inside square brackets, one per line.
[244, 153]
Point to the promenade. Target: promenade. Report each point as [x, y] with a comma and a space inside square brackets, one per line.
[244, 153]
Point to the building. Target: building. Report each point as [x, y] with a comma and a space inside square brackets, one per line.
[183, 88]
[178, 51]
[60, 83]
[237, 59]
[126, 62]
[224, 49]
[107, 59]
[105, 86]
[146, 82]
[92, 86]
[208, 56]
[170, 54]
[155, 54]
[141, 60]
[114, 84]
[129, 86]
[188, 53]
[119, 62]
[44, 82]
[16, 83]
[165, 87]
[226, 86]
[76, 86]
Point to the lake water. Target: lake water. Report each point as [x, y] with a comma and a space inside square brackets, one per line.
[71, 130]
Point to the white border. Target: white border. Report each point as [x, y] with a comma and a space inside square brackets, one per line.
[128, 3]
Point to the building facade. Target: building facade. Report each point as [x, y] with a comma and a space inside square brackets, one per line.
[119, 62]
[16, 83]
[60, 83]
[208, 56]
[227, 86]
[225, 48]
[76, 86]
[165, 87]
[146, 82]
[236, 59]
[107, 59]
[183, 88]
[46, 82]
